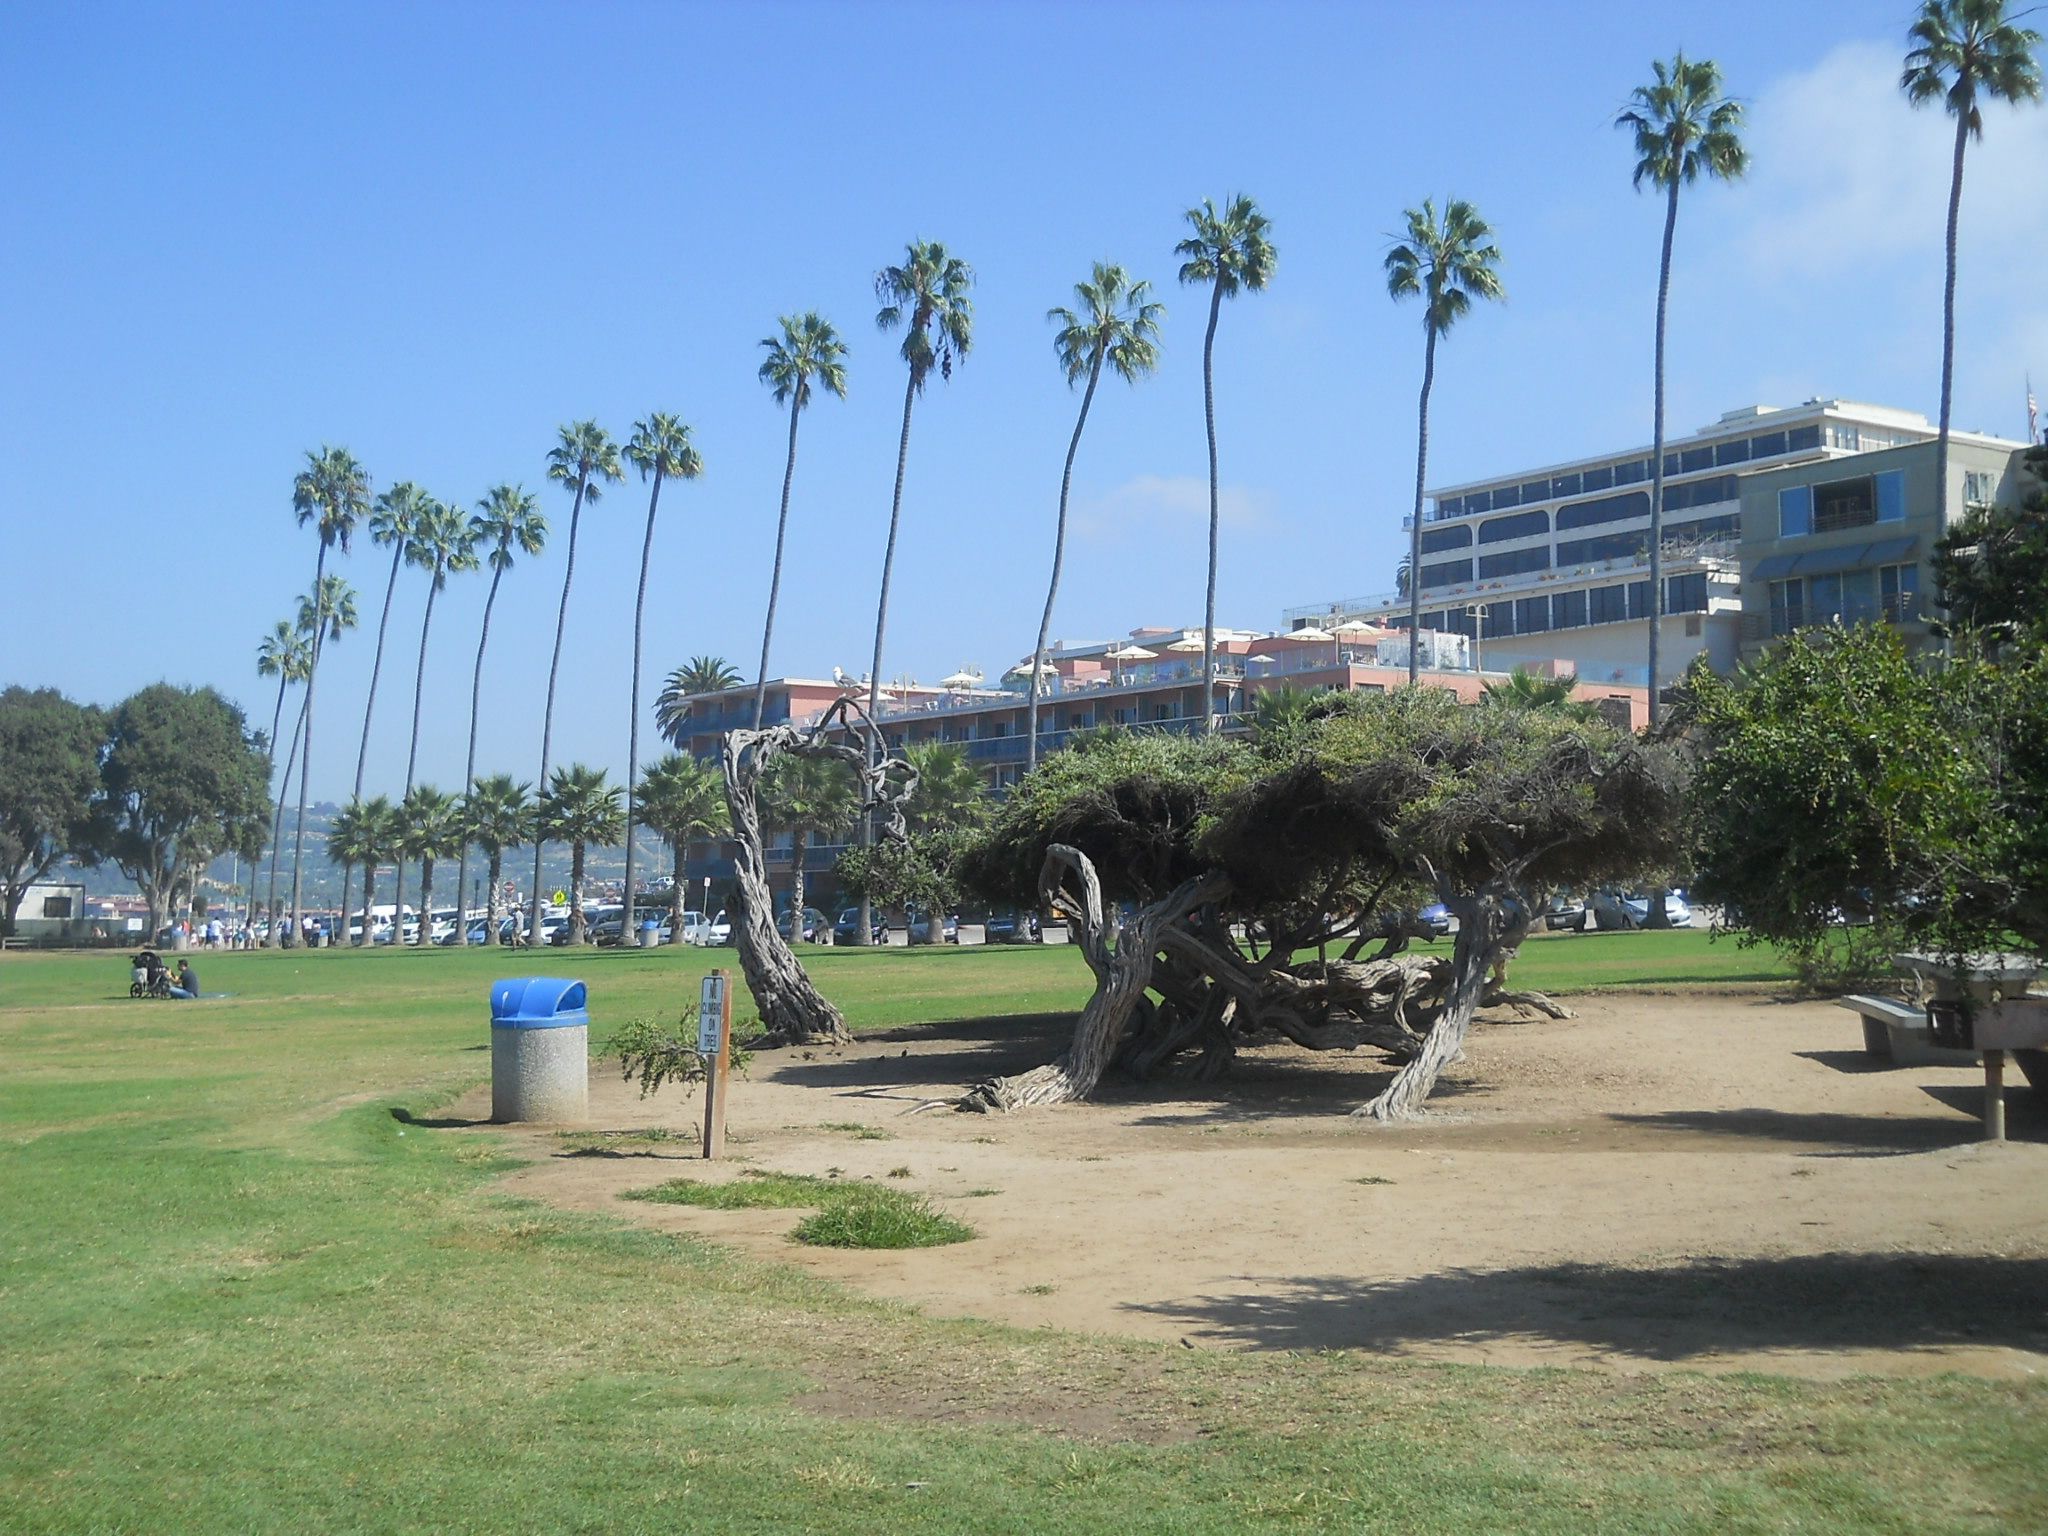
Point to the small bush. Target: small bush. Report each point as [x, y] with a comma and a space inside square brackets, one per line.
[862, 1216]
[751, 1191]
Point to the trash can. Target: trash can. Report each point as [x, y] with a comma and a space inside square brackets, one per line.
[540, 1049]
[650, 933]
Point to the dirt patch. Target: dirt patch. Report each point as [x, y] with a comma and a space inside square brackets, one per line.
[1713, 1183]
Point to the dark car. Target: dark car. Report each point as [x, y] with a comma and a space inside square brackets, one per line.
[847, 929]
[815, 925]
[1011, 927]
[1437, 917]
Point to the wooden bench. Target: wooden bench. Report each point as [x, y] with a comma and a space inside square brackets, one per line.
[1897, 1032]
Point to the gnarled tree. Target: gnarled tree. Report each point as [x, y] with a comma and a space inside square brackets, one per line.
[794, 1011]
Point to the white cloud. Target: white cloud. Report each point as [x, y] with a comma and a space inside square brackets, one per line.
[1846, 176]
[1148, 504]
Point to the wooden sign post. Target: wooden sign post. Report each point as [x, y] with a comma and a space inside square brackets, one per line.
[714, 1044]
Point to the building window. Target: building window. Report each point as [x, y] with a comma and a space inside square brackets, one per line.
[1728, 526]
[1695, 458]
[1506, 496]
[1609, 604]
[1898, 589]
[1498, 620]
[1564, 485]
[1450, 506]
[1891, 496]
[1734, 451]
[1639, 599]
[1535, 490]
[1532, 615]
[1843, 504]
[1686, 594]
[1702, 493]
[1788, 606]
[1436, 540]
[1598, 479]
[1520, 526]
[1634, 472]
[1477, 501]
[1607, 509]
[1978, 488]
[1769, 446]
[1446, 573]
[1513, 562]
[1567, 610]
[1602, 546]
[1795, 512]
[57, 907]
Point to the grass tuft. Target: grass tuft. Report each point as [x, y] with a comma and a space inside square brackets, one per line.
[751, 1191]
[866, 1217]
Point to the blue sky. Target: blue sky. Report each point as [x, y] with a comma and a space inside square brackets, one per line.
[432, 233]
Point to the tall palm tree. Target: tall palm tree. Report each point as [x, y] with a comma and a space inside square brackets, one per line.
[1684, 128]
[807, 797]
[927, 295]
[699, 675]
[682, 799]
[807, 352]
[440, 545]
[363, 833]
[1117, 324]
[1964, 52]
[392, 521]
[660, 448]
[507, 518]
[332, 493]
[430, 827]
[579, 808]
[497, 817]
[284, 654]
[326, 613]
[1230, 249]
[586, 458]
[1448, 262]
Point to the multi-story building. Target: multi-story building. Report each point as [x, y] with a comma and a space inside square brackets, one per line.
[1554, 562]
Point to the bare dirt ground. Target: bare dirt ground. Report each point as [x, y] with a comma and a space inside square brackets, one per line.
[1719, 1183]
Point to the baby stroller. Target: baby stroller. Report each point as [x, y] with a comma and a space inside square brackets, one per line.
[147, 977]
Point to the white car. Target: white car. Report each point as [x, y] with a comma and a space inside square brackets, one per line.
[717, 931]
[1612, 909]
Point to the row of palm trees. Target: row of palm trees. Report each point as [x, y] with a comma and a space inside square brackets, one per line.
[1683, 125]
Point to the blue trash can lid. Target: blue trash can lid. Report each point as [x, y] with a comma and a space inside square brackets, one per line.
[539, 1001]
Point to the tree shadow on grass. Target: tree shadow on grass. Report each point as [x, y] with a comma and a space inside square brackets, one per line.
[1844, 1301]
[405, 1116]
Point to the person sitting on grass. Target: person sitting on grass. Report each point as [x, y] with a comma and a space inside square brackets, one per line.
[187, 985]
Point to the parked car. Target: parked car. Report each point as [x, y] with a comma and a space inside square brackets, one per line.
[1438, 917]
[718, 930]
[949, 925]
[815, 926]
[1010, 927]
[1614, 909]
[847, 929]
[1565, 911]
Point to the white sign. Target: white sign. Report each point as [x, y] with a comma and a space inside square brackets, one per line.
[135, 925]
[710, 1015]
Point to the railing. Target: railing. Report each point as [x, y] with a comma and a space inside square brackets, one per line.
[1903, 608]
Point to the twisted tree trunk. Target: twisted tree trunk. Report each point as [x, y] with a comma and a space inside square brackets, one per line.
[1121, 954]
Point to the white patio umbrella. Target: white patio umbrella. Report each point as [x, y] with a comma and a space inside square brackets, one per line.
[1186, 645]
[962, 679]
[1355, 629]
[1124, 653]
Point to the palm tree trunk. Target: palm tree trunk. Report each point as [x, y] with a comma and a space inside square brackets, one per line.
[412, 756]
[476, 693]
[376, 668]
[497, 868]
[775, 575]
[306, 743]
[284, 787]
[276, 717]
[799, 847]
[677, 894]
[1948, 316]
[369, 894]
[577, 932]
[627, 934]
[1059, 548]
[547, 721]
[1657, 457]
[867, 820]
[1415, 522]
[427, 902]
[1209, 421]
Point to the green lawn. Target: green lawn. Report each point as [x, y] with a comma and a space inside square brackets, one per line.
[245, 1289]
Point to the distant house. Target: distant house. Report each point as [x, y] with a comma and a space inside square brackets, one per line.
[53, 911]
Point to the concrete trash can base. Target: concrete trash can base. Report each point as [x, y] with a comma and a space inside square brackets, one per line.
[540, 1050]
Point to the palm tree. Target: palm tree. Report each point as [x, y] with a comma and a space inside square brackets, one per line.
[1449, 262]
[440, 545]
[332, 493]
[807, 797]
[682, 799]
[808, 351]
[950, 791]
[497, 817]
[1964, 52]
[325, 614]
[1523, 689]
[700, 675]
[430, 827]
[1683, 127]
[363, 833]
[1228, 250]
[1118, 323]
[927, 296]
[584, 457]
[579, 808]
[284, 654]
[660, 448]
[392, 521]
[507, 518]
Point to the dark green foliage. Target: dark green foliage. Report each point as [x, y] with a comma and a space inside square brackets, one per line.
[656, 1054]
[49, 771]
